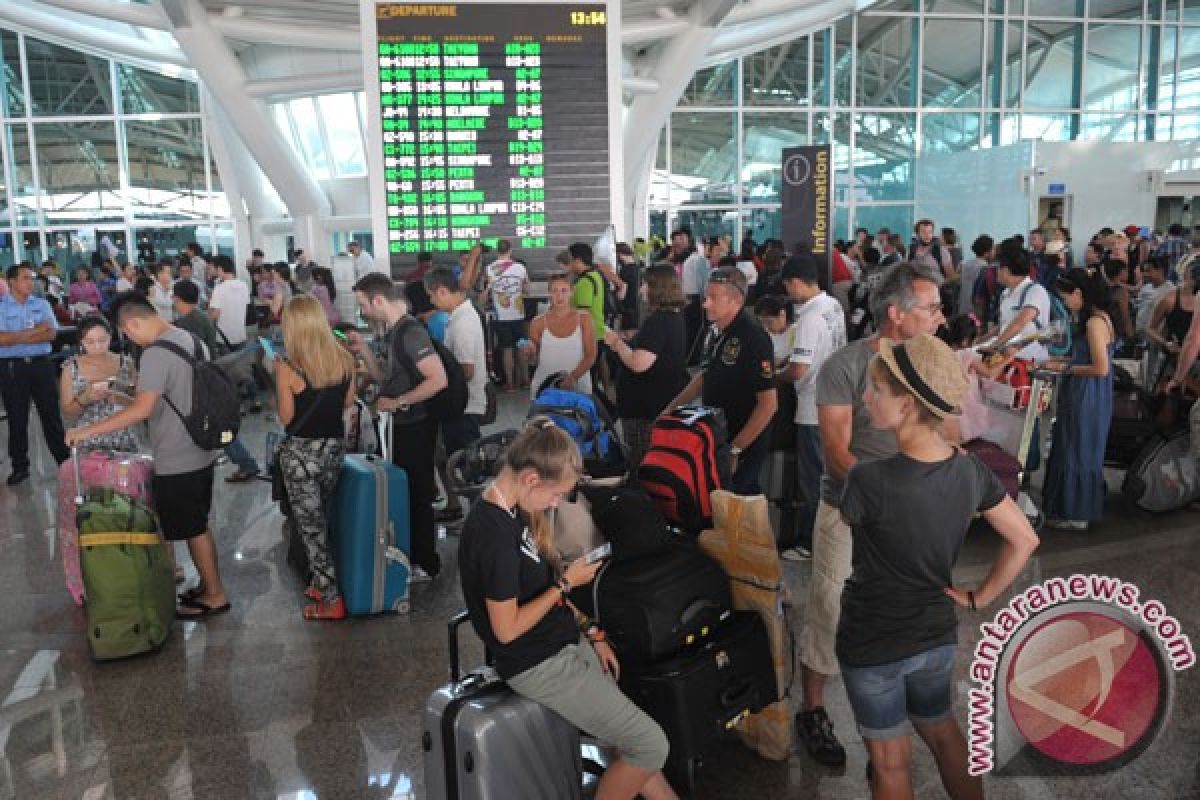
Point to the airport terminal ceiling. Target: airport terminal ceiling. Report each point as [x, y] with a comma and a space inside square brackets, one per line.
[883, 82]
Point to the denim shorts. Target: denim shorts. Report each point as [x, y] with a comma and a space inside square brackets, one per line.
[886, 697]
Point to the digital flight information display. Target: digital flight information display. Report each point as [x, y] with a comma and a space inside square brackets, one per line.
[494, 122]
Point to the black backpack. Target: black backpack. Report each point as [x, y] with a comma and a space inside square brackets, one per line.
[451, 402]
[612, 306]
[216, 412]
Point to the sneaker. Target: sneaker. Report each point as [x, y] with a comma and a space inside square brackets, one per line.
[1077, 525]
[816, 733]
[796, 553]
[419, 575]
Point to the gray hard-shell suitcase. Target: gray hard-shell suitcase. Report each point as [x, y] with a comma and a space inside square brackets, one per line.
[482, 741]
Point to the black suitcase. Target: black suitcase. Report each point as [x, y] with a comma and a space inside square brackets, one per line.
[656, 607]
[699, 696]
[482, 741]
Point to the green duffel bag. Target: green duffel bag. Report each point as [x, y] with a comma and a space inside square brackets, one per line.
[127, 574]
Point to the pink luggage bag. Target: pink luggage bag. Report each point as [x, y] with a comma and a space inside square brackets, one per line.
[128, 473]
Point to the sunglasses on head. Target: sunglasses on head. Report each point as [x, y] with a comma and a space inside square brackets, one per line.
[726, 279]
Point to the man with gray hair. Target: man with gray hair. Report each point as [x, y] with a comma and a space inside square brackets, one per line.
[905, 304]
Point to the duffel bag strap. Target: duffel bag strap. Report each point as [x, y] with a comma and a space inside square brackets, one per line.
[99, 539]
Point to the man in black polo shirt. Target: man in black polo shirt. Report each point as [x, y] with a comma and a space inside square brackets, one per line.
[737, 376]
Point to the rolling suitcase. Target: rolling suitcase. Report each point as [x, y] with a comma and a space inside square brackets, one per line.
[482, 741]
[699, 696]
[656, 607]
[1166, 475]
[370, 534]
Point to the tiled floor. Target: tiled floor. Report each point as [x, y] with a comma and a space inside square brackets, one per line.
[260, 704]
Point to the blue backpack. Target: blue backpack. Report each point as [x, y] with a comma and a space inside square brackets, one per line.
[579, 415]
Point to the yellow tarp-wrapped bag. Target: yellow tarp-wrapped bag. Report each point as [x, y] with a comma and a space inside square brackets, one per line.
[743, 542]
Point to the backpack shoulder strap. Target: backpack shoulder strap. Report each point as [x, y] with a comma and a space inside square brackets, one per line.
[177, 350]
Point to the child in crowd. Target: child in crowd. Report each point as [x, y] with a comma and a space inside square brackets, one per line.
[909, 514]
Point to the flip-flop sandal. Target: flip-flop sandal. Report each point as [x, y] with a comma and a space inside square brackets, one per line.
[188, 595]
[202, 610]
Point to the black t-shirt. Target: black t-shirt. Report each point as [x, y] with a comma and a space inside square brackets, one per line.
[738, 364]
[908, 520]
[631, 274]
[498, 560]
[644, 395]
[408, 344]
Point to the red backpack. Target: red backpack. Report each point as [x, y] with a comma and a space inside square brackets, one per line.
[688, 459]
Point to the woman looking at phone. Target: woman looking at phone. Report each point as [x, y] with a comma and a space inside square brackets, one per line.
[92, 383]
[515, 592]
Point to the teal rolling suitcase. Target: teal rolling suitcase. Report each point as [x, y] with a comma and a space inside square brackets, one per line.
[370, 535]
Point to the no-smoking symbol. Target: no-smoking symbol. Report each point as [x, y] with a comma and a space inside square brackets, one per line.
[796, 170]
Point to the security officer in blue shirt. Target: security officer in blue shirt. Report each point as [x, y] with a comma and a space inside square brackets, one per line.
[27, 331]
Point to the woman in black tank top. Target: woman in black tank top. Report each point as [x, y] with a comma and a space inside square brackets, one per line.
[314, 386]
[1173, 315]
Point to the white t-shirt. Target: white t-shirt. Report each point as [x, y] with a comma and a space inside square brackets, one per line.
[160, 298]
[1027, 294]
[464, 338]
[231, 297]
[507, 279]
[123, 285]
[820, 329]
[782, 345]
[364, 263]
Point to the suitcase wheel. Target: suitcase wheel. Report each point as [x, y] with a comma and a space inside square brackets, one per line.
[401, 607]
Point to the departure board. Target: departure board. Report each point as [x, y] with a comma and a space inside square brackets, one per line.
[493, 121]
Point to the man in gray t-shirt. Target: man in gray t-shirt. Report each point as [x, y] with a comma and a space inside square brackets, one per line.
[905, 303]
[183, 471]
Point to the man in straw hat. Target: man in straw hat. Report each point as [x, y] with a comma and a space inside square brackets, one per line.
[906, 303]
[909, 513]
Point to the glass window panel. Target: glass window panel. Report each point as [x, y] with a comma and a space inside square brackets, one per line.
[841, 223]
[166, 169]
[764, 138]
[22, 193]
[1191, 10]
[1049, 71]
[994, 65]
[1111, 74]
[708, 222]
[1047, 127]
[777, 76]
[842, 73]
[884, 148]
[951, 77]
[660, 180]
[12, 91]
[223, 240]
[73, 248]
[218, 200]
[761, 224]
[78, 172]
[703, 157]
[158, 242]
[308, 130]
[842, 151]
[955, 6]
[1055, 8]
[713, 87]
[1119, 9]
[345, 138]
[8, 249]
[822, 130]
[1187, 82]
[1110, 127]
[30, 244]
[949, 133]
[887, 48]
[822, 49]
[658, 226]
[65, 82]
[147, 92]
[1163, 124]
[898, 219]
[1013, 75]
[1187, 126]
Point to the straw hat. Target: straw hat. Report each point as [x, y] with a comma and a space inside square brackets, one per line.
[928, 368]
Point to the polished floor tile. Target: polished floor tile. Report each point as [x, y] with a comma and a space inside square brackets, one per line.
[260, 704]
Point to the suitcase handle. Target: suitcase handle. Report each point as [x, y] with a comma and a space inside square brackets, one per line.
[696, 608]
[452, 627]
[736, 696]
[79, 498]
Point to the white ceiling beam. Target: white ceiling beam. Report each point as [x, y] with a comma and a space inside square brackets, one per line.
[290, 34]
[136, 14]
[350, 80]
[74, 31]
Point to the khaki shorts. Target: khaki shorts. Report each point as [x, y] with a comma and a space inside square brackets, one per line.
[573, 684]
[831, 551]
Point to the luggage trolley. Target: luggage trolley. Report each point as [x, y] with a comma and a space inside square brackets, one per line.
[1016, 413]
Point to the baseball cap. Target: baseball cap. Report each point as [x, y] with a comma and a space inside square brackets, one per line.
[1131, 230]
[1145, 232]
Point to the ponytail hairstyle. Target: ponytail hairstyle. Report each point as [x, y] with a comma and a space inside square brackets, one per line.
[1096, 293]
[551, 453]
